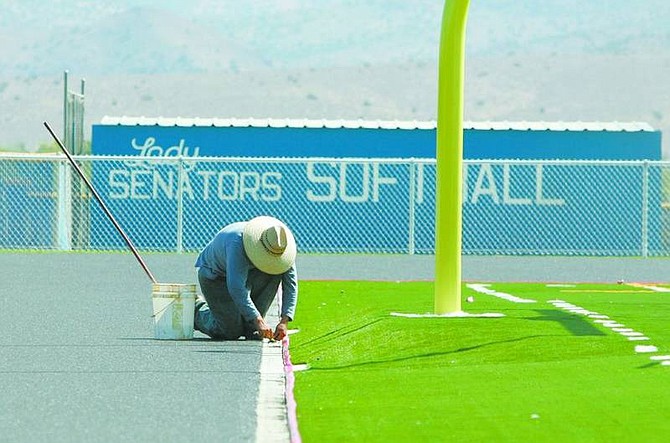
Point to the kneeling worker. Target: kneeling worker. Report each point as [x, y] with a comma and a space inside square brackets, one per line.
[239, 274]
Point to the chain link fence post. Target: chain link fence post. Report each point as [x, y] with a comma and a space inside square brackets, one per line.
[645, 210]
[180, 204]
[64, 217]
[73, 138]
[412, 209]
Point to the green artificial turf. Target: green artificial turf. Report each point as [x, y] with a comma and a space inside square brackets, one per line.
[540, 373]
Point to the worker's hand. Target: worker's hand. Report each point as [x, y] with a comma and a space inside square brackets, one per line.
[263, 329]
[280, 331]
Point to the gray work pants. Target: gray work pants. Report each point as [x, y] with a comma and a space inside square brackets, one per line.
[219, 317]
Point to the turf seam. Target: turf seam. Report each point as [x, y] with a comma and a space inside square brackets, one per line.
[291, 404]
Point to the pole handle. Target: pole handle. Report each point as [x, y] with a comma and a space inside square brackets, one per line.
[107, 212]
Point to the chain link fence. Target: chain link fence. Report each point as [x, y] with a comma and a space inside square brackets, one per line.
[337, 205]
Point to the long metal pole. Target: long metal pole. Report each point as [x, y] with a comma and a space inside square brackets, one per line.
[102, 204]
[65, 105]
[449, 175]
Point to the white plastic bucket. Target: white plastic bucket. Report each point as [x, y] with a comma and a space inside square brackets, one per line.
[174, 307]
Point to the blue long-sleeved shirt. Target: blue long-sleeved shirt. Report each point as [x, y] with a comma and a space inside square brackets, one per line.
[224, 256]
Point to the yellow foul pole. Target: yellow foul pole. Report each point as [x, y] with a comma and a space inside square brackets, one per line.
[449, 178]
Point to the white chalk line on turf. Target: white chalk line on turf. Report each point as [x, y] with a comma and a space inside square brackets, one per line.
[459, 314]
[605, 321]
[484, 289]
[649, 287]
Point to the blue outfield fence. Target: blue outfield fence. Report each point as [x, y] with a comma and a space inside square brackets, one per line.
[382, 205]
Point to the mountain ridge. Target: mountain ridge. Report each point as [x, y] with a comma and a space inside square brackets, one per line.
[561, 60]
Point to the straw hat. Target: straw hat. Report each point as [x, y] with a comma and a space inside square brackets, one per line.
[269, 244]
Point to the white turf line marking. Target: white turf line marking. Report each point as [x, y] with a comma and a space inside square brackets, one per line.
[650, 287]
[645, 349]
[660, 357]
[638, 338]
[609, 323]
[581, 311]
[459, 314]
[272, 424]
[614, 325]
[565, 305]
[484, 289]
[271, 412]
[629, 333]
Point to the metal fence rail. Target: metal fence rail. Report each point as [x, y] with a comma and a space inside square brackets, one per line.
[338, 205]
